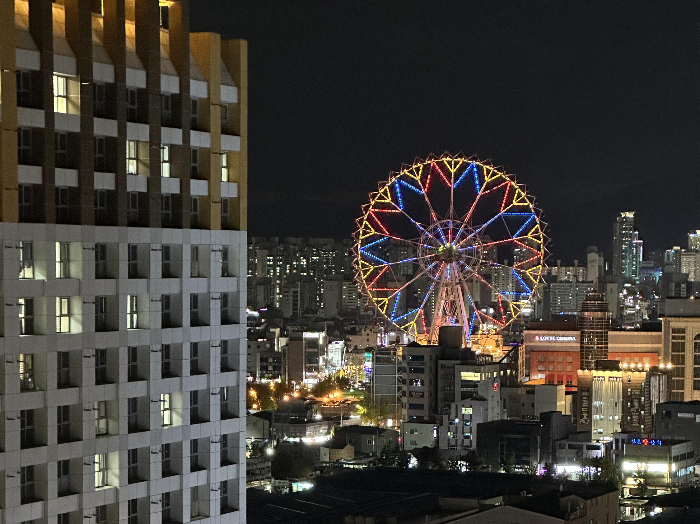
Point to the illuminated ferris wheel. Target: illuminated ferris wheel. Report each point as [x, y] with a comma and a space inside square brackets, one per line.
[449, 241]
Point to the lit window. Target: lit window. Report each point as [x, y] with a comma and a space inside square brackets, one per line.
[62, 315]
[132, 312]
[165, 161]
[62, 260]
[60, 94]
[165, 412]
[100, 418]
[100, 470]
[132, 157]
[224, 167]
[26, 316]
[26, 260]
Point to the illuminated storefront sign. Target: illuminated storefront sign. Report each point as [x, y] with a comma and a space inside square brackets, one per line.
[555, 338]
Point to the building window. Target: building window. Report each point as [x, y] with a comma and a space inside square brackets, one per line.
[164, 17]
[100, 470]
[131, 104]
[26, 202]
[195, 211]
[62, 260]
[224, 167]
[63, 518]
[63, 424]
[101, 515]
[132, 210]
[194, 455]
[62, 203]
[165, 363]
[224, 261]
[61, 143]
[133, 260]
[24, 145]
[225, 316]
[133, 512]
[166, 319]
[165, 413]
[165, 161]
[166, 109]
[167, 211]
[194, 407]
[26, 316]
[24, 88]
[26, 424]
[225, 217]
[165, 507]
[100, 314]
[100, 260]
[101, 427]
[166, 466]
[100, 207]
[223, 404]
[100, 366]
[27, 485]
[194, 114]
[132, 312]
[224, 450]
[224, 357]
[26, 371]
[133, 365]
[60, 94]
[132, 158]
[194, 358]
[224, 118]
[194, 310]
[194, 162]
[26, 260]
[133, 414]
[696, 362]
[166, 266]
[100, 152]
[62, 315]
[133, 465]
[223, 497]
[63, 369]
[63, 478]
[194, 261]
[194, 502]
[98, 99]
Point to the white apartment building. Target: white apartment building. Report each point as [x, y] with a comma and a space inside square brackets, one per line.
[123, 226]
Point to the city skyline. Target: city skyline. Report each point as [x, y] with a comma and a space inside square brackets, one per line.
[551, 93]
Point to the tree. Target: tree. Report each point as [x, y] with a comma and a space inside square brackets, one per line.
[610, 472]
[290, 461]
[508, 462]
[372, 413]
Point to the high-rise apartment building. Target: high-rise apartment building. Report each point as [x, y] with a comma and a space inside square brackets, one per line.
[627, 248]
[123, 225]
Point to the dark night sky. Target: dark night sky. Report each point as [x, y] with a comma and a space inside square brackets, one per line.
[593, 105]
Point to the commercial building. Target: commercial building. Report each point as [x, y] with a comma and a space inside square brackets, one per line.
[661, 462]
[613, 399]
[458, 429]
[386, 383]
[554, 354]
[575, 455]
[528, 402]
[123, 214]
[306, 352]
[679, 421]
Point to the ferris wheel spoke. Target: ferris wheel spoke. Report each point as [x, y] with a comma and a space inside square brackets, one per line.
[421, 273]
[418, 225]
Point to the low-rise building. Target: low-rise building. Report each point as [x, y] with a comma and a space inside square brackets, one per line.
[367, 440]
[458, 431]
[418, 435]
[660, 462]
[679, 421]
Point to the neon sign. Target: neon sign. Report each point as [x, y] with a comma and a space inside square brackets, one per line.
[555, 338]
[646, 441]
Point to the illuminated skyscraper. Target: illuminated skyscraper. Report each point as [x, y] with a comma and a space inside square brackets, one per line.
[627, 248]
[694, 241]
[594, 322]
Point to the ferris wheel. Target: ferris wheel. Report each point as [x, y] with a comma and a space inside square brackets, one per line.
[449, 241]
